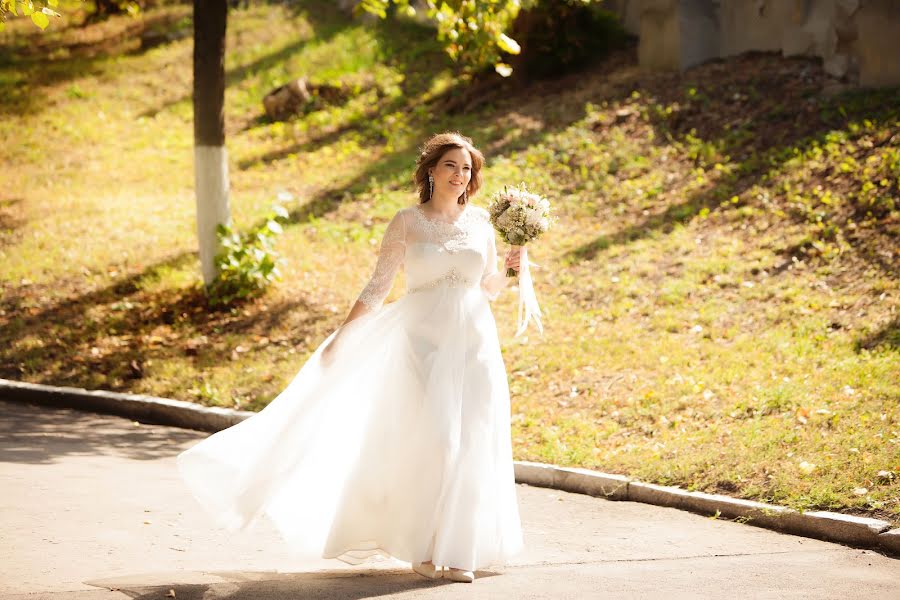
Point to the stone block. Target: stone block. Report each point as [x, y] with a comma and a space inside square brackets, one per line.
[532, 473]
[699, 32]
[889, 541]
[878, 43]
[579, 481]
[834, 527]
[660, 35]
[759, 25]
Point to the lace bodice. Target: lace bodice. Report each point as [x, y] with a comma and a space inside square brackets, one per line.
[436, 253]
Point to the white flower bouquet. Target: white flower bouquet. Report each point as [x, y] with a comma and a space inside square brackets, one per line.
[521, 216]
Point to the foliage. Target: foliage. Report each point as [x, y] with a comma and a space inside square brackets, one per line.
[248, 262]
[473, 33]
[40, 11]
[561, 37]
[478, 35]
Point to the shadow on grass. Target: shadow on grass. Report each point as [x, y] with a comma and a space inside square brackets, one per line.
[105, 338]
[407, 47]
[238, 74]
[9, 221]
[887, 337]
[327, 21]
[566, 108]
[426, 117]
[37, 61]
[324, 138]
[756, 110]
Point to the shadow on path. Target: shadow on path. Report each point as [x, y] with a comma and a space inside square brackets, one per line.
[37, 435]
[337, 584]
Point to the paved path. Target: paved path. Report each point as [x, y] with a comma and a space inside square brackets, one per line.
[91, 507]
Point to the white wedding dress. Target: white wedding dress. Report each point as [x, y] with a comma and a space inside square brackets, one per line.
[400, 445]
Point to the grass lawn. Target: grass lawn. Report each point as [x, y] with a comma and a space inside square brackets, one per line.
[721, 290]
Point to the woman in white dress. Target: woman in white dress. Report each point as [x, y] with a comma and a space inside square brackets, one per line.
[394, 437]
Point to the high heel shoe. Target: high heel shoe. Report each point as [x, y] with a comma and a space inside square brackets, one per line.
[460, 575]
[427, 570]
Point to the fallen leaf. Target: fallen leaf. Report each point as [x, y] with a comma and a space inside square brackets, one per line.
[807, 467]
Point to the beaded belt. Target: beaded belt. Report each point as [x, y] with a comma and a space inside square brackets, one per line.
[450, 279]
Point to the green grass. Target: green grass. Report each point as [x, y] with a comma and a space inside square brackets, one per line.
[720, 291]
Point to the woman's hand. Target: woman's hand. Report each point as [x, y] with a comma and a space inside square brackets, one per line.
[513, 257]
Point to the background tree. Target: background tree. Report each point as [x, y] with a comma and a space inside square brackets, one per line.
[210, 155]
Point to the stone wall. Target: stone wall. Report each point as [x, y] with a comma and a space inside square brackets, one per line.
[857, 40]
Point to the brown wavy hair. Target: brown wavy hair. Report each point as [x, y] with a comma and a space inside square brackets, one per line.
[432, 151]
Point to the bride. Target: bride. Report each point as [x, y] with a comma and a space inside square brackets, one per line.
[393, 439]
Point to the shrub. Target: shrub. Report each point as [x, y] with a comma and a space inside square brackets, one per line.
[248, 262]
[559, 37]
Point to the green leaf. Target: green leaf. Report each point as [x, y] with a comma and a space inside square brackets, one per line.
[504, 69]
[40, 19]
[375, 7]
[53, 3]
[508, 45]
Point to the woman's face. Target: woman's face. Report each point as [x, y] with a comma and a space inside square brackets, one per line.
[452, 173]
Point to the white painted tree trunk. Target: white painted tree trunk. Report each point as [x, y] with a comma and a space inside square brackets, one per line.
[211, 186]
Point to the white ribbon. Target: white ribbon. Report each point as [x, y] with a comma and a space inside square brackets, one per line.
[528, 304]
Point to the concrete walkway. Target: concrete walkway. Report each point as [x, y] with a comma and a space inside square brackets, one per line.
[91, 507]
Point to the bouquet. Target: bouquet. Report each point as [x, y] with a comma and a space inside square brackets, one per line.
[521, 216]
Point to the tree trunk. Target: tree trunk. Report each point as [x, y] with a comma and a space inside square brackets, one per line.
[210, 156]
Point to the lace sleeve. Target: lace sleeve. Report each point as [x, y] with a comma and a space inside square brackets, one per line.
[492, 281]
[390, 257]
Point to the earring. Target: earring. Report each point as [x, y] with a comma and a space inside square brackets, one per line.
[430, 185]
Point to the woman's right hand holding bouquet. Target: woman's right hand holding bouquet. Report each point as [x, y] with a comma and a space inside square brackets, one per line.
[521, 216]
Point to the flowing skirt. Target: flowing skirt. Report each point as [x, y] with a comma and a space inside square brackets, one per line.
[399, 446]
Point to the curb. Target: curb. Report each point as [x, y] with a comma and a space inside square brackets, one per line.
[829, 526]
[149, 409]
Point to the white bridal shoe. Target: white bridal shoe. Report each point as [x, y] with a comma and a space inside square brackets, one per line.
[427, 570]
[460, 575]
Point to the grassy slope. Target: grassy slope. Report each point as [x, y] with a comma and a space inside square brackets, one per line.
[721, 309]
